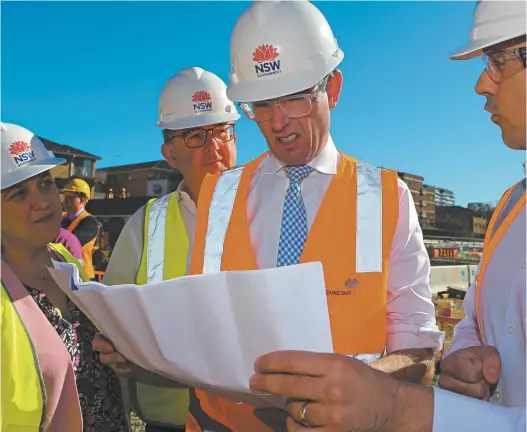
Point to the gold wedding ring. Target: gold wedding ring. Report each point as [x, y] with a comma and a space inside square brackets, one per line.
[303, 415]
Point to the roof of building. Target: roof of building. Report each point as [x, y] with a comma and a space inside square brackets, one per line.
[409, 175]
[160, 164]
[62, 149]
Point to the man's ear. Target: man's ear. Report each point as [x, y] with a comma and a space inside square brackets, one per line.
[333, 88]
[166, 151]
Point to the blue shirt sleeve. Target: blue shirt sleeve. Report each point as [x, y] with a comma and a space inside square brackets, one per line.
[457, 413]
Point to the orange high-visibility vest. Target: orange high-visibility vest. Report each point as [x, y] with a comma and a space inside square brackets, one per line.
[351, 235]
[493, 236]
[87, 248]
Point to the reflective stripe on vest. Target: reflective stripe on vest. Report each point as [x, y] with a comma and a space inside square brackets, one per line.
[504, 215]
[355, 267]
[369, 219]
[165, 240]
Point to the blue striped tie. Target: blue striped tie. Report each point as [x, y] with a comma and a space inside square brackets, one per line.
[293, 233]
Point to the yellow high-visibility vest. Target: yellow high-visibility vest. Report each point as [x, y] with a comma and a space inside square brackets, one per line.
[165, 242]
[24, 396]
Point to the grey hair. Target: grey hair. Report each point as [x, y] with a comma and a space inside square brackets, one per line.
[168, 134]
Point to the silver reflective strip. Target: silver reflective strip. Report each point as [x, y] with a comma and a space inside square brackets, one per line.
[155, 254]
[366, 358]
[369, 219]
[219, 216]
[513, 199]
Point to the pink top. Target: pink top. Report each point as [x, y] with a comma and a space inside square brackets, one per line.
[62, 401]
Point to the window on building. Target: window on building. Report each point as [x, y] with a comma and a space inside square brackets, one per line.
[82, 167]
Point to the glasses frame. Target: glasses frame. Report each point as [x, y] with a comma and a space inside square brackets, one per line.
[310, 96]
[492, 67]
[210, 130]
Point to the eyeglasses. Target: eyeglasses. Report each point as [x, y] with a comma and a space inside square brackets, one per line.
[293, 106]
[195, 138]
[503, 64]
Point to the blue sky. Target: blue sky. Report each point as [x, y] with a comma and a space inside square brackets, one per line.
[89, 75]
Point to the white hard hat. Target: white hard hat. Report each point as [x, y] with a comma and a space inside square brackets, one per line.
[495, 21]
[194, 98]
[23, 155]
[279, 48]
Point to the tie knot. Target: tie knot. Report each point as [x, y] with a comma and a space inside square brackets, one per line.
[297, 173]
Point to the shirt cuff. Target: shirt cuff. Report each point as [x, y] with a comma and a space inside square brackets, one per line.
[413, 337]
[457, 413]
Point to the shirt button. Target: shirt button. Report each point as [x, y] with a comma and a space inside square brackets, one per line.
[524, 265]
[510, 329]
[497, 395]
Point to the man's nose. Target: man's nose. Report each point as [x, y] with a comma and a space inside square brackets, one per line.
[211, 143]
[278, 119]
[485, 85]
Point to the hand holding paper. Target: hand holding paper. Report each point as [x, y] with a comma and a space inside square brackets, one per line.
[206, 331]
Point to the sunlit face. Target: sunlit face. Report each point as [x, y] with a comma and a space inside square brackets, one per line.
[74, 202]
[506, 97]
[31, 212]
[197, 152]
[297, 141]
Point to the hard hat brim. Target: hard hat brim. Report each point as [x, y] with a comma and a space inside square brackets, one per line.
[475, 48]
[199, 120]
[29, 171]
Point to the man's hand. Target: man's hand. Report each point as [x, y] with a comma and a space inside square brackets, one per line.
[343, 394]
[471, 371]
[113, 359]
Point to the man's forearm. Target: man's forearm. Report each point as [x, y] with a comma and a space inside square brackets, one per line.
[414, 365]
[413, 408]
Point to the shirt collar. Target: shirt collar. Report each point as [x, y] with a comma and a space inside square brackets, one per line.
[325, 162]
[185, 197]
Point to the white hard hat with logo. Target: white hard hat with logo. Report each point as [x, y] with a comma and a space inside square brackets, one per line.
[280, 48]
[23, 155]
[192, 98]
[495, 21]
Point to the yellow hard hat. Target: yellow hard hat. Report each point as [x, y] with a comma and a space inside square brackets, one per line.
[78, 186]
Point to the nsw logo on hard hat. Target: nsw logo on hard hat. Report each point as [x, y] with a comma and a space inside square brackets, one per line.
[202, 101]
[22, 153]
[266, 57]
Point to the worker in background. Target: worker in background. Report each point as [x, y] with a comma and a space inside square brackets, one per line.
[485, 367]
[305, 201]
[52, 380]
[123, 194]
[79, 222]
[198, 139]
[110, 194]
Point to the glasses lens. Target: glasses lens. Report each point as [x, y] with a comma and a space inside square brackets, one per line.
[196, 138]
[261, 111]
[296, 106]
[223, 133]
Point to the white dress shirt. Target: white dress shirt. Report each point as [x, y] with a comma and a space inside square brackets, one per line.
[126, 255]
[502, 307]
[410, 313]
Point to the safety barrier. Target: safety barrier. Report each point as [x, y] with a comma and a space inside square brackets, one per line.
[457, 276]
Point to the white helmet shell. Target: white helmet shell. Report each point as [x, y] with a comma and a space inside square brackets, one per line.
[279, 48]
[194, 98]
[495, 21]
[23, 155]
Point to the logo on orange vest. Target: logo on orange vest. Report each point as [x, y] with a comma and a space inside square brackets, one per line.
[351, 285]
